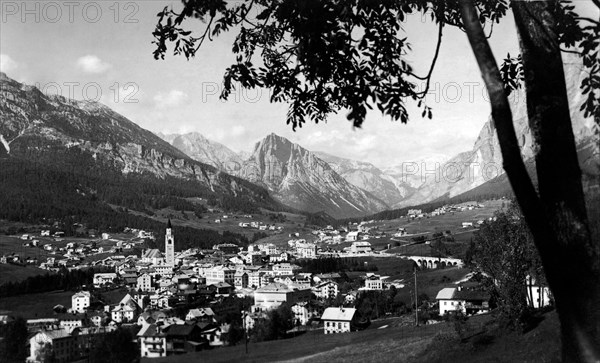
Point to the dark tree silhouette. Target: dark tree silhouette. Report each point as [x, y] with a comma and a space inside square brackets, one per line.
[13, 348]
[116, 346]
[323, 56]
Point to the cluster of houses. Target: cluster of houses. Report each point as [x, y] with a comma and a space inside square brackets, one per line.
[261, 226]
[176, 300]
[418, 213]
[160, 283]
[351, 233]
[72, 255]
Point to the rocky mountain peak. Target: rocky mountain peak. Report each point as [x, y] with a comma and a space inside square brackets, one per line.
[297, 177]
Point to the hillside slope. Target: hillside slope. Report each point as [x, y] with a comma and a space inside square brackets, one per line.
[483, 162]
[79, 152]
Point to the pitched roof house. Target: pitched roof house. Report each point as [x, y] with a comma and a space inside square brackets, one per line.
[469, 302]
[339, 320]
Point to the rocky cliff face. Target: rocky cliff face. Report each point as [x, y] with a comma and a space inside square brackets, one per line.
[206, 151]
[387, 186]
[483, 162]
[42, 128]
[298, 178]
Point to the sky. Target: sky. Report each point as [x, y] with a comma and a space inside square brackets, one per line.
[101, 50]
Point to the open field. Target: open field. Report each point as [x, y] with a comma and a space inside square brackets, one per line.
[33, 306]
[13, 244]
[430, 282]
[405, 342]
[15, 273]
[293, 222]
[450, 221]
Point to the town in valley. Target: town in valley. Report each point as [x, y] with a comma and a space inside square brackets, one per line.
[299, 181]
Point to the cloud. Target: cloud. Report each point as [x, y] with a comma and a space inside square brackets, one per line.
[92, 64]
[7, 64]
[169, 100]
[238, 130]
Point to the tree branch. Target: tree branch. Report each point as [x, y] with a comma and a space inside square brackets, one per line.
[571, 51]
[511, 153]
[435, 57]
[206, 32]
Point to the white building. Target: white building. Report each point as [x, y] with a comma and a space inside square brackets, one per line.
[153, 342]
[468, 302]
[360, 247]
[257, 279]
[285, 269]
[101, 279]
[306, 250]
[338, 320]
[538, 295]
[125, 311]
[70, 323]
[304, 312]
[326, 290]
[268, 248]
[352, 236]
[206, 314]
[144, 283]
[373, 282]
[274, 294]
[220, 273]
[80, 301]
[240, 279]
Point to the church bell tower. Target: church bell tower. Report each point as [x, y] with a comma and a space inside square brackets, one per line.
[169, 245]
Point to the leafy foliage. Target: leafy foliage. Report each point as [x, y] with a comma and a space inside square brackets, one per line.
[579, 35]
[504, 250]
[274, 326]
[377, 304]
[511, 72]
[320, 56]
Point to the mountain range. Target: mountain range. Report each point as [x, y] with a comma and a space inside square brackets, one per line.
[103, 154]
[403, 185]
[295, 176]
[83, 153]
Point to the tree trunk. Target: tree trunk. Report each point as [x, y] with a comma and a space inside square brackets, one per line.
[577, 290]
[557, 217]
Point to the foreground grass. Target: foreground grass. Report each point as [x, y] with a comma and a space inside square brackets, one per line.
[386, 342]
[541, 345]
[314, 346]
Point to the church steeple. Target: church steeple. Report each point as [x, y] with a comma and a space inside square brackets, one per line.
[169, 245]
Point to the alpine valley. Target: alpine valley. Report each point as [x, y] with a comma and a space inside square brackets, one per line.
[319, 181]
[86, 157]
